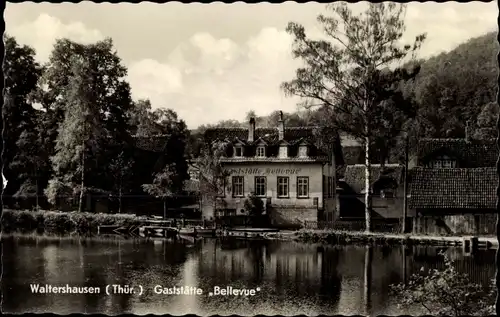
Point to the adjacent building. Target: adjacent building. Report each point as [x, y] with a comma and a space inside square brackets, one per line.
[387, 187]
[453, 187]
[292, 169]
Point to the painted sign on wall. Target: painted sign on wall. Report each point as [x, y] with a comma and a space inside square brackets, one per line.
[264, 171]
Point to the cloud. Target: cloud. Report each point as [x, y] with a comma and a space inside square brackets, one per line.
[220, 78]
[42, 33]
[206, 78]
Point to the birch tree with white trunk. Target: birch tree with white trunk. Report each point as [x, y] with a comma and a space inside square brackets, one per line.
[354, 71]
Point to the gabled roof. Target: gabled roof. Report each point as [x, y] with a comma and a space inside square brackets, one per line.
[448, 188]
[354, 175]
[270, 135]
[260, 141]
[301, 141]
[316, 136]
[473, 153]
[281, 142]
[239, 141]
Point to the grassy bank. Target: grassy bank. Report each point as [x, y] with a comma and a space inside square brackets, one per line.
[63, 223]
[344, 237]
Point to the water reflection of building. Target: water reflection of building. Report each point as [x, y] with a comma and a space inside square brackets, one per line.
[285, 268]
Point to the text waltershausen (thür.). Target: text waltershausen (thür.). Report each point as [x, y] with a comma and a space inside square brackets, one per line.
[66, 289]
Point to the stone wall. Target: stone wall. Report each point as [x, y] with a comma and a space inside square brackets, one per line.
[292, 217]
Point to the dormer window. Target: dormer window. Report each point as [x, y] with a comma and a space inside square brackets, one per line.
[261, 151]
[238, 151]
[303, 151]
[443, 162]
[283, 152]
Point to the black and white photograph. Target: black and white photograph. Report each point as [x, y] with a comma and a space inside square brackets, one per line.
[250, 159]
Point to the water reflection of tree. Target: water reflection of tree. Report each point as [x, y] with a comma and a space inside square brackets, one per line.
[255, 253]
[367, 284]
[331, 281]
[93, 276]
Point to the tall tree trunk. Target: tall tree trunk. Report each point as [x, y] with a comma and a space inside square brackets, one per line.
[334, 181]
[82, 186]
[120, 200]
[164, 209]
[37, 191]
[368, 170]
[368, 177]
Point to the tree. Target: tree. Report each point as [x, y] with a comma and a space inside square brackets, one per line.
[453, 87]
[109, 95]
[121, 172]
[143, 119]
[213, 176]
[486, 122]
[350, 74]
[21, 73]
[446, 292]
[167, 184]
[82, 131]
[254, 206]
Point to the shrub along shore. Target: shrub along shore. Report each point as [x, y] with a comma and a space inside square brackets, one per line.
[62, 223]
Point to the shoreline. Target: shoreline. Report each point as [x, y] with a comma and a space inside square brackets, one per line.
[345, 237]
[81, 225]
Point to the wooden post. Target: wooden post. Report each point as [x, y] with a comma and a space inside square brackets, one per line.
[405, 198]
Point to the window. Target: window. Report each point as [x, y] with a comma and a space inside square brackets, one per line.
[283, 151]
[238, 186]
[302, 151]
[221, 186]
[238, 151]
[225, 212]
[261, 151]
[260, 186]
[330, 187]
[302, 187]
[283, 187]
[443, 162]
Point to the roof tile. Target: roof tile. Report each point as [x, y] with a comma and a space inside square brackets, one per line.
[459, 188]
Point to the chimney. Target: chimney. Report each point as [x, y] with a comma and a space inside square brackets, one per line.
[467, 131]
[251, 130]
[281, 127]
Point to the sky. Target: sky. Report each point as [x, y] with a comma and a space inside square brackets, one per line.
[212, 62]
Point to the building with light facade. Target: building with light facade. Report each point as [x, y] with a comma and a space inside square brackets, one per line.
[292, 169]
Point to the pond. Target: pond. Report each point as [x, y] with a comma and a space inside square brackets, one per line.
[288, 278]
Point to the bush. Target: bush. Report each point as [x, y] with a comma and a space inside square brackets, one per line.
[254, 205]
[61, 223]
[446, 292]
[58, 223]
